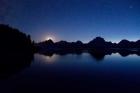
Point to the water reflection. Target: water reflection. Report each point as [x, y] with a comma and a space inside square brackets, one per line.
[82, 72]
[13, 64]
[49, 59]
[75, 73]
[98, 55]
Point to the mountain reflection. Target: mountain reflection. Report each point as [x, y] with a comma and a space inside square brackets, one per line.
[96, 54]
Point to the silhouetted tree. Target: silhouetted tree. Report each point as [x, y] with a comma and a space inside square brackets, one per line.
[16, 51]
[12, 41]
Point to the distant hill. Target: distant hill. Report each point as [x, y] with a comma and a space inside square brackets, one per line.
[98, 44]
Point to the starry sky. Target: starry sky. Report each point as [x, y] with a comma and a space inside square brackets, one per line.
[73, 20]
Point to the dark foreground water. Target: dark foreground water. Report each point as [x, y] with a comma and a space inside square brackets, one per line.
[76, 73]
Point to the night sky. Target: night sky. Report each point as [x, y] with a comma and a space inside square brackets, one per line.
[73, 20]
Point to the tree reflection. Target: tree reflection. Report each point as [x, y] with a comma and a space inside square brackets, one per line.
[13, 64]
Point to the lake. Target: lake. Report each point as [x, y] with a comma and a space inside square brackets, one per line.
[76, 73]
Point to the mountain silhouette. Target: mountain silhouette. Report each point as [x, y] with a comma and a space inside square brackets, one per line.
[15, 43]
[96, 44]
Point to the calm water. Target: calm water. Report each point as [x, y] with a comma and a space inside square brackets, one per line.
[76, 73]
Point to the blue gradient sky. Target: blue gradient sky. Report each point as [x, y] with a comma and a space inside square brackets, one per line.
[74, 20]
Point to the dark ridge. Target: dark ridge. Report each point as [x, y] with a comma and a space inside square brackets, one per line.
[97, 45]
